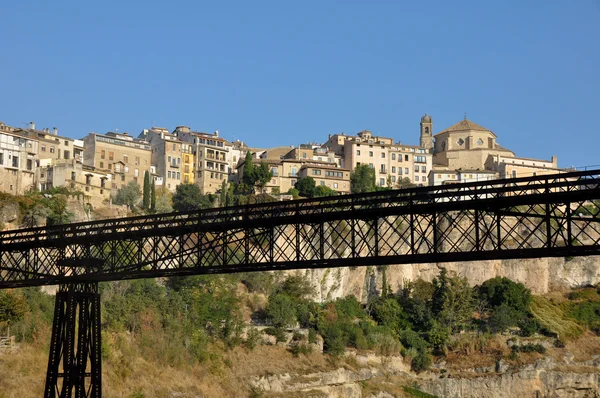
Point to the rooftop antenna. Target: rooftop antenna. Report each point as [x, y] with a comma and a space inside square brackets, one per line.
[465, 115]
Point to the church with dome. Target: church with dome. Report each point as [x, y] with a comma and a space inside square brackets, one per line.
[467, 151]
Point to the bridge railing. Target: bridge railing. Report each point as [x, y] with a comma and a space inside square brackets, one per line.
[475, 191]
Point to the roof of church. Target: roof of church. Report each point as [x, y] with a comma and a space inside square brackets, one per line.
[465, 125]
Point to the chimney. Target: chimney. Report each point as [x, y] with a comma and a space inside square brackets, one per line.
[216, 133]
[32, 125]
[54, 131]
[554, 161]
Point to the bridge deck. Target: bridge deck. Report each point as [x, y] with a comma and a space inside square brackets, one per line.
[552, 215]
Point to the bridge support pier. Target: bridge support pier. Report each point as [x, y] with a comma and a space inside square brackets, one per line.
[74, 364]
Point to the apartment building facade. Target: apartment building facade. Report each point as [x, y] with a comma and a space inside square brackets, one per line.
[120, 155]
[392, 162]
[172, 158]
[212, 156]
[18, 161]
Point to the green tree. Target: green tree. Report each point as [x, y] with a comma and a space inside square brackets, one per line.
[322, 190]
[500, 290]
[262, 176]
[223, 194]
[12, 306]
[305, 186]
[58, 210]
[281, 310]
[146, 193]
[452, 301]
[405, 183]
[248, 176]
[164, 201]
[188, 197]
[129, 195]
[362, 179]
[153, 197]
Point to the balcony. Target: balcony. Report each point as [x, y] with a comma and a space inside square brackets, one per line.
[174, 165]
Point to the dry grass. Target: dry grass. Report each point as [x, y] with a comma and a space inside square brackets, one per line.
[552, 317]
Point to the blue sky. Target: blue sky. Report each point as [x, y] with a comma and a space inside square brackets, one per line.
[283, 73]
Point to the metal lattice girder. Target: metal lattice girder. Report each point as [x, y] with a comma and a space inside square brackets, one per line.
[74, 364]
[543, 216]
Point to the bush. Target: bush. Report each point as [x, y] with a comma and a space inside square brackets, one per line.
[529, 326]
[411, 339]
[529, 348]
[503, 291]
[281, 311]
[421, 362]
[253, 338]
[312, 336]
[278, 333]
[504, 317]
[385, 344]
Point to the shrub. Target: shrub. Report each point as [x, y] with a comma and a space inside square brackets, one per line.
[385, 344]
[253, 338]
[503, 291]
[411, 339]
[312, 336]
[281, 311]
[504, 317]
[278, 333]
[421, 362]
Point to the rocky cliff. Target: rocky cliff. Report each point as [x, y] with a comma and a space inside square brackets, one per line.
[540, 275]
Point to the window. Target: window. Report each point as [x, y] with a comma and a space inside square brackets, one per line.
[416, 178]
[423, 169]
[416, 167]
[393, 169]
[101, 165]
[274, 171]
[293, 172]
[88, 178]
[371, 165]
[405, 170]
[175, 147]
[136, 173]
[393, 156]
[15, 161]
[169, 159]
[322, 183]
[110, 166]
[406, 158]
[111, 156]
[424, 178]
[335, 185]
[179, 175]
[102, 153]
[420, 159]
[168, 174]
[126, 169]
[52, 149]
[514, 173]
[383, 168]
[381, 182]
[383, 155]
[123, 178]
[29, 164]
[370, 153]
[137, 160]
[1, 158]
[67, 154]
[358, 152]
[304, 155]
[316, 172]
[393, 178]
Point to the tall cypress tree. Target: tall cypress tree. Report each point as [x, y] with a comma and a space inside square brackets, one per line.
[146, 197]
[153, 197]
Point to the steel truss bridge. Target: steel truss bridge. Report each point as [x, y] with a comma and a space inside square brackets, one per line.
[544, 216]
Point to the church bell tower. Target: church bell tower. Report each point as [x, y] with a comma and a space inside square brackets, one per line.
[426, 132]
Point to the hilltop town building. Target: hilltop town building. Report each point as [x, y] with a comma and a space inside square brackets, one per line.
[468, 149]
[120, 155]
[214, 158]
[394, 163]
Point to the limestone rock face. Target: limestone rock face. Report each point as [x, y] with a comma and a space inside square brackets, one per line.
[530, 383]
[9, 212]
[540, 275]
